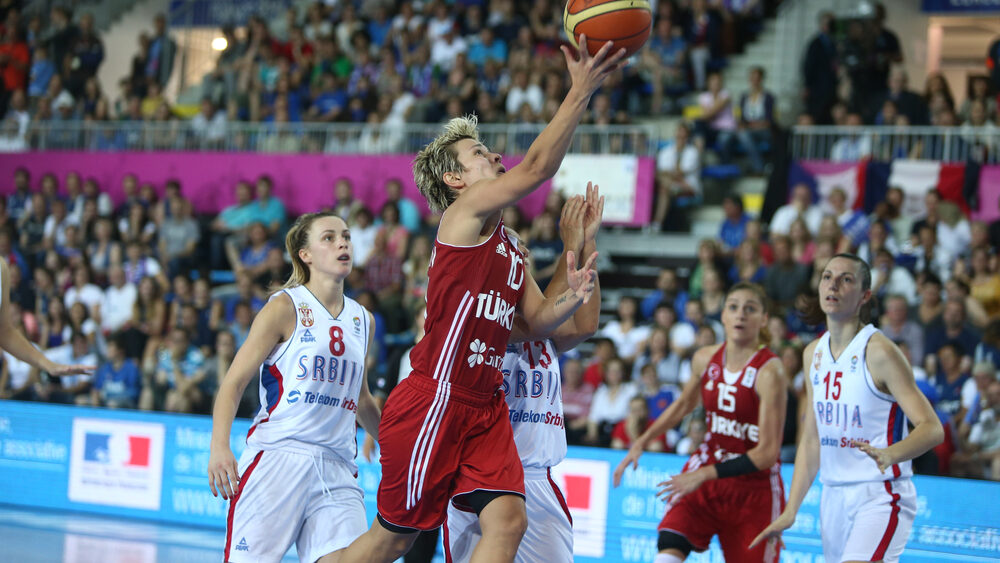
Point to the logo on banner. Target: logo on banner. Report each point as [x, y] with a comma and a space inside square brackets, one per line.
[585, 485]
[116, 463]
[307, 314]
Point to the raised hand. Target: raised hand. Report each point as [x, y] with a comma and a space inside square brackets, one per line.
[595, 212]
[588, 73]
[581, 281]
[571, 223]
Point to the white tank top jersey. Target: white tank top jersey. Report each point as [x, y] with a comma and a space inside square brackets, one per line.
[848, 406]
[309, 384]
[532, 384]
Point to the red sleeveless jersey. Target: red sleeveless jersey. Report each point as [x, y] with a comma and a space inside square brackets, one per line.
[472, 292]
[731, 410]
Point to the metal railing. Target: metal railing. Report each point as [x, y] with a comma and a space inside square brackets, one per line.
[947, 144]
[342, 138]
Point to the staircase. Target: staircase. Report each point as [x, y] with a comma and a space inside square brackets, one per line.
[121, 40]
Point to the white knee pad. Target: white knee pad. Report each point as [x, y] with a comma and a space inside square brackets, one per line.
[667, 558]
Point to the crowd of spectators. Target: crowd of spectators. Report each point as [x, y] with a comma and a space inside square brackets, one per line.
[852, 75]
[376, 63]
[137, 289]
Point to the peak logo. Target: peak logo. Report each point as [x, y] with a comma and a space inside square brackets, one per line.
[307, 336]
[293, 397]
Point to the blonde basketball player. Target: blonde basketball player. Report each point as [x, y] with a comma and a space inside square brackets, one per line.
[296, 480]
[862, 392]
[533, 392]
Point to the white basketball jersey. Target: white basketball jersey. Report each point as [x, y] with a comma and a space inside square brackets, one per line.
[309, 384]
[532, 384]
[848, 406]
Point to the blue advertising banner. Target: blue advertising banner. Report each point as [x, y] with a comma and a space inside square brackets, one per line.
[217, 13]
[153, 466]
[961, 5]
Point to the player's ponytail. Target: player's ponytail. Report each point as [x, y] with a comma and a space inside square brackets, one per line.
[297, 239]
[764, 335]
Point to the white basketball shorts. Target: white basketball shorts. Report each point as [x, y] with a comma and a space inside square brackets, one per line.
[548, 539]
[293, 496]
[867, 521]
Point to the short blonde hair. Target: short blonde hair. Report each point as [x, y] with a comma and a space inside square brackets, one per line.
[440, 157]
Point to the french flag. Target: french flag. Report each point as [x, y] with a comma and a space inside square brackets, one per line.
[867, 182]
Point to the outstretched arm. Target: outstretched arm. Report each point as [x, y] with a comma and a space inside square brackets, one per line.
[806, 463]
[578, 227]
[545, 154]
[544, 314]
[689, 399]
[275, 323]
[13, 341]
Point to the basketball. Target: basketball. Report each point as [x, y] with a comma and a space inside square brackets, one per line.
[626, 22]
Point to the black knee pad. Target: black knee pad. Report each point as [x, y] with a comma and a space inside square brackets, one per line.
[670, 540]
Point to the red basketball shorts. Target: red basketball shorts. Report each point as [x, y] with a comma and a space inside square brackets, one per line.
[736, 510]
[439, 443]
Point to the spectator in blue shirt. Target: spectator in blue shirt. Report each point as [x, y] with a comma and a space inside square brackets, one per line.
[949, 381]
[180, 368]
[658, 396]
[330, 103]
[267, 209]
[485, 47]
[117, 383]
[42, 71]
[667, 289]
[734, 227]
[253, 256]
[409, 214]
[665, 60]
[952, 329]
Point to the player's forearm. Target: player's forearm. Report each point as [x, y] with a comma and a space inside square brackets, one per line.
[924, 436]
[227, 400]
[554, 312]
[587, 317]
[547, 151]
[806, 468]
[14, 342]
[369, 414]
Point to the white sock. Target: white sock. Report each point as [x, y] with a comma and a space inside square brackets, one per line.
[667, 558]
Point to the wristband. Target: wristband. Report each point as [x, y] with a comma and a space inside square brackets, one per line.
[735, 467]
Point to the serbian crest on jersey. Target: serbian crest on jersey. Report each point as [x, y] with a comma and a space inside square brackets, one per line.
[307, 314]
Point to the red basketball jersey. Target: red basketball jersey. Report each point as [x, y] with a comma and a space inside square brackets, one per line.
[472, 292]
[731, 409]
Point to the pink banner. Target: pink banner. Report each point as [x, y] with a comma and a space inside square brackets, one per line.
[989, 194]
[303, 182]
